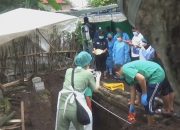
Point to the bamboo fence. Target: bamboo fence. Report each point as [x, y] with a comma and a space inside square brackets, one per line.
[25, 56]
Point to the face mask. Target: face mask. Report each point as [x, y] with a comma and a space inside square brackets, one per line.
[135, 33]
[101, 37]
[109, 38]
[119, 39]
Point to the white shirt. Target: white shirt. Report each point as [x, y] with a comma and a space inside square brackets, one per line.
[136, 40]
[146, 54]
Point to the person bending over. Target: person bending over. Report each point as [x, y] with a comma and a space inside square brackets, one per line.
[149, 75]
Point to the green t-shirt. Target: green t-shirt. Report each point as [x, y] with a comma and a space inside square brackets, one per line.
[152, 72]
[88, 92]
[82, 79]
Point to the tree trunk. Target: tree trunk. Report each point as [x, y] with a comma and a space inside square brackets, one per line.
[158, 21]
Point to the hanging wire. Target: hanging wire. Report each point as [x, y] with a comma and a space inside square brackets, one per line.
[111, 112]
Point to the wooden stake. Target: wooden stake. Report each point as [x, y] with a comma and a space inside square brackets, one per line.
[22, 115]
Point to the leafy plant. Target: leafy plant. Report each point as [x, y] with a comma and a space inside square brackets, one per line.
[54, 4]
[78, 35]
[97, 3]
[6, 5]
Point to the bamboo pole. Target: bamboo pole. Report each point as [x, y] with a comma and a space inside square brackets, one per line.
[22, 116]
[42, 53]
[14, 83]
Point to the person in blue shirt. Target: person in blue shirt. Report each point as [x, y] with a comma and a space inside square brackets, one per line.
[125, 36]
[108, 30]
[121, 51]
[96, 35]
[109, 60]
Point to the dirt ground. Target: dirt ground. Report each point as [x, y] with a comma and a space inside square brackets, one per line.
[40, 109]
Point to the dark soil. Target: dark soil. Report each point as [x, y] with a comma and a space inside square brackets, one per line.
[40, 109]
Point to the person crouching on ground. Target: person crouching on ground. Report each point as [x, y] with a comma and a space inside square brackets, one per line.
[149, 75]
[66, 106]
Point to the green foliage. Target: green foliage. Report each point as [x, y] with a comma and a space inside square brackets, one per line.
[78, 34]
[5, 105]
[31, 4]
[6, 5]
[55, 5]
[97, 3]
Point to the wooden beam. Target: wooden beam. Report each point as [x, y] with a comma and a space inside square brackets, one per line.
[11, 127]
[41, 53]
[14, 83]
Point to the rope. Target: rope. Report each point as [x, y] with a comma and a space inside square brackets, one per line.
[111, 112]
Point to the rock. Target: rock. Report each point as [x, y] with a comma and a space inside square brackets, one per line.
[36, 80]
[38, 84]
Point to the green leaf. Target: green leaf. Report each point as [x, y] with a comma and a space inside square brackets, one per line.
[97, 3]
[55, 5]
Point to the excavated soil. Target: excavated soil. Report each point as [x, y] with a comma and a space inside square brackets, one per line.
[40, 109]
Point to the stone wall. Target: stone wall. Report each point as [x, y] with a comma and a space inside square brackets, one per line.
[159, 21]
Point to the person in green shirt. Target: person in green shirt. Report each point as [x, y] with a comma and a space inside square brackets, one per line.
[88, 94]
[149, 76]
[66, 106]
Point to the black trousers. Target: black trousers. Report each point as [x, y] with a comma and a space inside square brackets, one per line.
[100, 62]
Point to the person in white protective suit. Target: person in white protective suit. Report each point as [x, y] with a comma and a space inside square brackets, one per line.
[66, 106]
[136, 44]
[146, 52]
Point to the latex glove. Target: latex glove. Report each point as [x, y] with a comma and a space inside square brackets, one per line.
[131, 108]
[98, 77]
[144, 99]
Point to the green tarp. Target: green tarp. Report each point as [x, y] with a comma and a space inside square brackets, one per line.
[125, 26]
